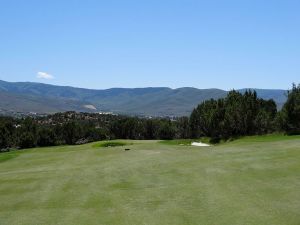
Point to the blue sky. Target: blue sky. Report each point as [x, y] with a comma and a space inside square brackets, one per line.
[101, 44]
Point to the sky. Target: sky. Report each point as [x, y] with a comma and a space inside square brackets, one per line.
[159, 43]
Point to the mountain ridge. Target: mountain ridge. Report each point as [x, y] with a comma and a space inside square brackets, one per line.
[148, 101]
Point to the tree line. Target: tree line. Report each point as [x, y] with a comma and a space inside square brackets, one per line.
[79, 128]
[245, 114]
[238, 114]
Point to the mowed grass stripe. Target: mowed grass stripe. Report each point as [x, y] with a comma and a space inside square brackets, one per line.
[242, 182]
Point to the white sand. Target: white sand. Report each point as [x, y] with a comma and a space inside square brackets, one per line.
[199, 144]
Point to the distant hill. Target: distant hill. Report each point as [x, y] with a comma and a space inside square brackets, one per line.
[158, 101]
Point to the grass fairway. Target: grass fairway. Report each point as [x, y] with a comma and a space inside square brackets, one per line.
[249, 181]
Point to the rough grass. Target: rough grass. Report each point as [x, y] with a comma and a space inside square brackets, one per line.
[244, 182]
[267, 138]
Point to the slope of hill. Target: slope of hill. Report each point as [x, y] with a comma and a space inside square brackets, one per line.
[158, 101]
[31, 103]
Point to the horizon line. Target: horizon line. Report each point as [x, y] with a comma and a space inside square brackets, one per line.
[144, 87]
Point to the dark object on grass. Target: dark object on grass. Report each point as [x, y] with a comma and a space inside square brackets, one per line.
[127, 149]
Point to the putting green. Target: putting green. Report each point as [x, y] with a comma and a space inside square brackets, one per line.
[254, 180]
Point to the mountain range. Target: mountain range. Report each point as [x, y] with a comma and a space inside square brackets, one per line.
[149, 101]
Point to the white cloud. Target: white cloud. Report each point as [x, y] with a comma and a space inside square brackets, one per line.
[43, 75]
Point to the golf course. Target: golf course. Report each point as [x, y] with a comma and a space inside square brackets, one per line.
[248, 181]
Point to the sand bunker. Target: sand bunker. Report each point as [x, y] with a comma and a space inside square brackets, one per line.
[200, 144]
